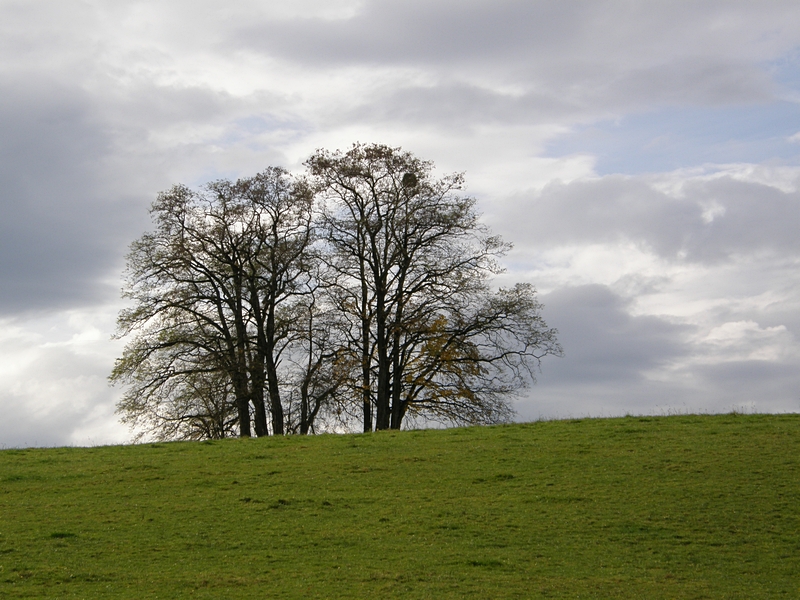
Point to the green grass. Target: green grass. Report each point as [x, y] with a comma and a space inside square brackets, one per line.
[672, 507]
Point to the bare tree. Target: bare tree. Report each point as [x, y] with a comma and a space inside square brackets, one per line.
[412, 264]
[278, 271]
[251, 306]
[211, 286]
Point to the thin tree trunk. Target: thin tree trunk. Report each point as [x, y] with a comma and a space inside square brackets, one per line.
[366, 382]
[257, 372]
[382, 401]
[366, 377]
[304, 410]
[397, 372]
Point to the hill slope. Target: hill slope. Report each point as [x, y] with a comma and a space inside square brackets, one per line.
[674, 507]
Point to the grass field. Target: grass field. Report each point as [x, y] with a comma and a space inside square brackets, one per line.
[670, 507]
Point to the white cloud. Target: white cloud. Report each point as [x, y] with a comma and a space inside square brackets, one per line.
[746, 341]
[53, 387]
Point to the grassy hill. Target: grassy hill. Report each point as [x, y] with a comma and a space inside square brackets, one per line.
[673, 507]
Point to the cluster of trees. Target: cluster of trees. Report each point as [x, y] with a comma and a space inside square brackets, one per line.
[355, 295]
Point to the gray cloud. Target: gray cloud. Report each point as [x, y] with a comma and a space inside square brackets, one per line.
[56, 232]
[616, 363]
[608, 357]
[78, 170]
[459, 32]
[622, 55]
[710, 221]
[602, 341]
[756, 218]
[463, 106]
[455, 104]
[765, 385]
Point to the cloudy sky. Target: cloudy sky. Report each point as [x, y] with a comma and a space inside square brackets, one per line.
[643, 157]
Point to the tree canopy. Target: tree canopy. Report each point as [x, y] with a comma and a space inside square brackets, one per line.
[359, 292]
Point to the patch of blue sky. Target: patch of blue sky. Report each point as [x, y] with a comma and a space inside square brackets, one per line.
[785, 72]
[679, 137]
[211, 173]
[248, 129]
[255, 133]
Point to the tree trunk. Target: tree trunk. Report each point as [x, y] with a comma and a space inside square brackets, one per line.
[382, 400]
[366, 382]
[366, 376]
[243, 407]
[397, 370]
[304, 410]
[259, 410]
[275, 406]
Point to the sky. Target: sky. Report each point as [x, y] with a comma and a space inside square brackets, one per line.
[642, 157]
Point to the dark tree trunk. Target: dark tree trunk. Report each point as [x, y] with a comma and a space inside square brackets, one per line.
[397, 368]
[275, 406]
[243, 407]
[259, 410]
[366, 392]
[366, 382]
[304, 411]
[257, 376]
[383, 399]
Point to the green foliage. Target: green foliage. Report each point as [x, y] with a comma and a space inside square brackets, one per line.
[671, 507]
